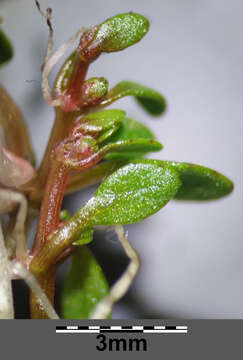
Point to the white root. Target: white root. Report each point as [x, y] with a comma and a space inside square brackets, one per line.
[19, 270]
[6, 296]
[50, 62]
[17, 238]
[104, 307]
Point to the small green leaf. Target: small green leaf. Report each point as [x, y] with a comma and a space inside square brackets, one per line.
[198, 182]
[6, 50]
[152, 101]
[129, 147]
[114, 34]
[121, 31]
[129, 129]
[103, 123]
[131, 194]
[64, 215]
[93, 90]
[84, 286]
[62, 79]
[85, 238]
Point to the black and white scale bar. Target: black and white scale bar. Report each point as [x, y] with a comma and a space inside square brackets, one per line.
[122, 329]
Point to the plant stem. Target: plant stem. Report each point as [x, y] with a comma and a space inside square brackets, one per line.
[47, 222]
[61, 239]
[62, 124]
[51, 204]
[47, 283]
[77, 78]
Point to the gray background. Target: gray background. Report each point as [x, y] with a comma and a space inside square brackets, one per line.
[206, 339]
[191, 253]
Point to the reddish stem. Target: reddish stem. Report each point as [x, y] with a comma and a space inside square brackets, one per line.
[63, 123]
[77, 78]
[51, 204]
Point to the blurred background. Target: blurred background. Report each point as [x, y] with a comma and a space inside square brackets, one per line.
[191, 253]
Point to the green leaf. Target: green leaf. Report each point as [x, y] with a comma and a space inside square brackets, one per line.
[6, 50]
[102, 123]
[129, 129]
[131, 194]
[94, 175]
[84, 286]
[129, 147]
[93, 90]
[152, 101]
[114, 34]
[64, 215]
[121, 31]
[85, 238]
[198, 182]
[104, 119]
[62, 79]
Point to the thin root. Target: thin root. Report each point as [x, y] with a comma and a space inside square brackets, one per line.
[104, 307]
[47, 15]
[50, 61]
[19, 270]
[10, 198]
[6, 295]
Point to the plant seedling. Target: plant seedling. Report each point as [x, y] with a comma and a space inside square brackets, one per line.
[88, 144]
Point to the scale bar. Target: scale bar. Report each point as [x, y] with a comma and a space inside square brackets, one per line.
[157, 329]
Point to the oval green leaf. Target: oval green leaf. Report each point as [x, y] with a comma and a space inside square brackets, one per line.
[93, 90]
[121, 31]
[198, 182]
[131, 194]
[129, 129]
[6, 49]
[84, 286]
[101, 124]
[130, 147]
[152, 101]
[104, 119]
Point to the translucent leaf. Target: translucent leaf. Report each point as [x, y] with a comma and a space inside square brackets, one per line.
[131, 194]
[129, 129]
[152, 101]
[6, 50]
[198, 182]
[84, 286]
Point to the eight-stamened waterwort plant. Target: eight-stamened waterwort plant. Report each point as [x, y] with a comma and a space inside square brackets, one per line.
[87, 145]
